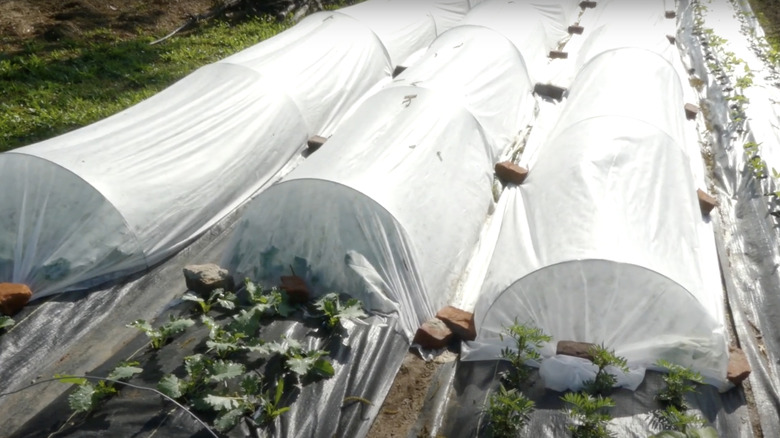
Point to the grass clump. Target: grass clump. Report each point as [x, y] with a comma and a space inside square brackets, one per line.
[52, 88]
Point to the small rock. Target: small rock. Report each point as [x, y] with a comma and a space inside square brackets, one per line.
[575, 349]
[433, 334]
[13, 296]
[510, 173]
[739, 367]
[315, 142]
[552, 91]
[672, 39]
[691, 111]
[398, 70]
[588, 4]
[203, 279]
[557, 54]
[460, 322]
[296, 288]
[706, 201]
[670, 14]
[576, 29]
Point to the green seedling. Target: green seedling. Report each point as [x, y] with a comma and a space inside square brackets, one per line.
[604, 381]
[333, 311]
[88, 396]
[161, 336]
[6, 322]
[589, 419]
[508, 411]
[528, 340]
[218, 297]
[680, 381]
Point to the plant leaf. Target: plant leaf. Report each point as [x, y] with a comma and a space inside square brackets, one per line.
[352, 310]
[124, 372]
[195, 365]
[175, 326]
[300, 365]
[323, 367]
[228, 420]
[142, 325]
[64, 378]
[6, 321]
[222, 370]
[81, 399]
[226, 304]
[170, 385]
[279, 392]
[251, 384]
[189, 296]
[219, 403]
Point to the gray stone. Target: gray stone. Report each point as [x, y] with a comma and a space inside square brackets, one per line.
[203, 279]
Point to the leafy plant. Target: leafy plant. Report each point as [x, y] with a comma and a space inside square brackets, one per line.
[587, 414]
[223, 342]
[332, 310]
[679, 382]
[270, 302]
[88, 396]
[6, 322]
[508, 412]
[218, 297]
[199, 370]
[298, 360]
[527, 342]
[270, 406]
[672, 418]
[604, 381]
[162, 335]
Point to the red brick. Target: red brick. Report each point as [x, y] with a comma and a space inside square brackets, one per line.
[433, 334]
[459, 321]
[13, 297]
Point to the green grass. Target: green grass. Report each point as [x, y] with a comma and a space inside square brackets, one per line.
[51, 88]
[768, 14]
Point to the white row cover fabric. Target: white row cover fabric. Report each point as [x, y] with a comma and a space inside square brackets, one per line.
[324, 64]
[123, 193]
[623, 69]
[126, 192]
[534, 28]
[600, 243]
[480, 70]
[373, 212]
[617, 24]
[406, 27]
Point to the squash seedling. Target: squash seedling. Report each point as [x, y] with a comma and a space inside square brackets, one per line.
[6, 322]
[161, 336]
[218, 297]
[88, 396]
[333, 311]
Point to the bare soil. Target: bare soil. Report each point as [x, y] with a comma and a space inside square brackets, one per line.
[53, 20]
[402, 406]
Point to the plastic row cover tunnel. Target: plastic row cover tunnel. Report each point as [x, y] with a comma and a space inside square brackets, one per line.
[617, 24]
[374, 212]
[534, 28]
[126, 192]
[600, 243]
